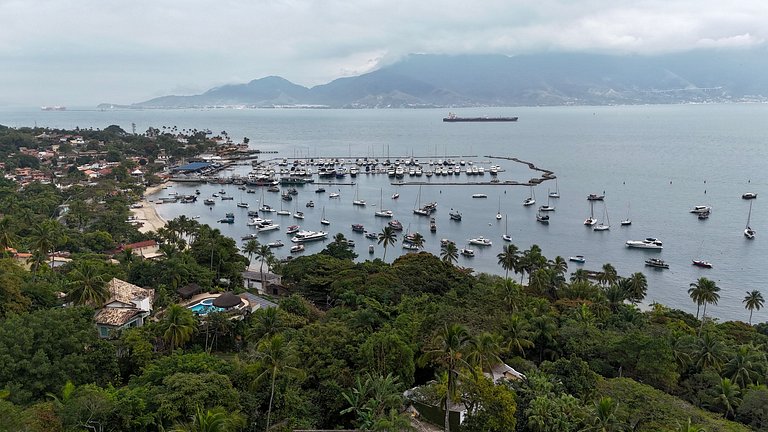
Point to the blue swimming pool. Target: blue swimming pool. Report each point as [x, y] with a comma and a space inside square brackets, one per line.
[204, 307]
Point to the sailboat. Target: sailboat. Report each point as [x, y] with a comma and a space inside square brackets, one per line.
[605, 224]
[382, 212]
[357, 201]
[702, 263]
[323, 220]
[498, 213]
[748, 231]
[556, 193]
[264, 207]
[531, 200]
[506, 236]
[546, 208]
[627, 221]
[591, 219]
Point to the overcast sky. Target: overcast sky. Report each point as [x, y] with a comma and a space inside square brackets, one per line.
[83, 52]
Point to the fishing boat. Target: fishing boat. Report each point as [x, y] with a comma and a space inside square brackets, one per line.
[647, 243]
[656, 263]
[531, 200]
[275, 244]
[480, 241]
[577, 259]
[556, 193]
[605, 224]
[749, 233]
[455, 215]
[627, 221]
[297, 248]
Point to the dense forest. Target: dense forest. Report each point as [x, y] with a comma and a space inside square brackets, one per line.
[349, 339]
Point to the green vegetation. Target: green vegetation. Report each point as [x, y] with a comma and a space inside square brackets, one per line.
[342, 349]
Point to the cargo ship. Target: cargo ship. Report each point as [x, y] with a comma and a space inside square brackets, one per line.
[453, 118]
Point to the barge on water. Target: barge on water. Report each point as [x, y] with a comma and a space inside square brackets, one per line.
[453, 118]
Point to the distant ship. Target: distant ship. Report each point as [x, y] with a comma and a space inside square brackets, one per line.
[53, 108]
[454, 118]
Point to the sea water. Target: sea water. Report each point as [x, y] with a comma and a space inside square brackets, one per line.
[653, 163]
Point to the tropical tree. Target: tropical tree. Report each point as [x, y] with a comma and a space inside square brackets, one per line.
[580, 275]
[518, 334]
[508, 259]
[449, 253]
[485, 351]
[212, 420]
[637, 287]
[706, 291]
[726, 397]
[387, 237]
[44, 238]
[559, 265]
[87, 285]
[372, 399]
[544, 330]
[752, 302]
[688, 427]
[266, 323]
[263, 253]
[250, 248]
[708, 352]
[418, 240]
[448, 351]
[604, 417]
[177, 325]
[274, 356]
[8, 235]
[608, 276]
[746, 367]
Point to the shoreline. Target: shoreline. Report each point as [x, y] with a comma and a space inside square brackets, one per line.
[148, 212]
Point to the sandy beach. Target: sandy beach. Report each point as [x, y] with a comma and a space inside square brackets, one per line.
[147, 213]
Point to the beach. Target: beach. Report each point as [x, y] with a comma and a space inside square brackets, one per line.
[147, 213]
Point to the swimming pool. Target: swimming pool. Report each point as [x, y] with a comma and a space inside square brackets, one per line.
[204, 307]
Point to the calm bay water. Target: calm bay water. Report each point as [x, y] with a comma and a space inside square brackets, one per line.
[657, 161]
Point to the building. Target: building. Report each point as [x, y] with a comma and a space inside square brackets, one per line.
[252, 280]
[147, 249]
[128, 306]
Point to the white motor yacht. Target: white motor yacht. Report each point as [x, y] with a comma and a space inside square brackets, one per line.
[480, 241]
[384, 213]
[648, 243]
[268, 227]
[309, 236]
[701, 209]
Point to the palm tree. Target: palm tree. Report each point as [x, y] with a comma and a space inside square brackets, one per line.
[637, 287]
[262, 254]
[449, 349]
[42, 242]
[418, 240]
[704, 291]
[250, 248]
[212, 420]
[604, 416]
[274, 356]
[709, 352]
[726, 397]
[752, 302]
[87, 285]
[339, 239]
[449, 253]
[518, 333]
[544, 329]
[267, 323]
[688, 427]
[485, 351]
[509, 259]
[178, 326]
[608, 276]
[746, 366]
[530, 261]
[8, 235]
[580, 275]
[559, 265]
[387, 237]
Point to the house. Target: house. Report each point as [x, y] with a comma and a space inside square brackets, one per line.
[147, 249]
[253, 280]
[128, 306]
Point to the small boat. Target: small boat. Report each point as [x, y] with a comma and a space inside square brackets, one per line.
[467, 252]
[209, 201]
[253, 213]
[395, 225]
[298, 215]
[749, 233]
[197, 192]
[409, 246]
[358, 228]
[701, 209]
[480, 241]
[252, 236]
[648, 243]
[273, 189]
[283, 212]
[656, 263]
[227, 198]
[275, 244]
[266, 209]
[455, 215]
[556, 193]
[297, 248]
[242, 204]
[529, 201]
[506, 237]
[370, 249]
[546, 208]
[319, 190]
[446, 242]
[384, 213]
[323, 220]
[310, 204]
[595, 197]
[371, 235]
[627, 221]
[543, 218]
[286, 197]
[479, 195]
[432, 225]
[749, 195]
[395, 196]
[292, 229]
[250, 191]
[702, 263]
[215, 195]
[333, 195]
[268, 227]
[591, 219]
[577, 259]
[703, 215]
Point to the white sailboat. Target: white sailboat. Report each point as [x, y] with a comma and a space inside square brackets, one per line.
[281, 212]
[591, 219]
[498, 213]
[382, 212]
[627, 221]
[323, 220]
[546, 208]
[531, 200]
[605, 224]
[506, 237]
[748, 231]
[556, 193]
[357, 201]
[264, 207]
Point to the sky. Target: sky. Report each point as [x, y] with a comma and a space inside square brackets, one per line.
[85, 52]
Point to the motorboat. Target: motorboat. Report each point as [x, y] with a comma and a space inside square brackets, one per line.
[298, 215]
[703, 215]
[371, 235]
[432, 225]
[275, 244]
[395, 225]
[319, 190]
[309, 236]
[297, 248]
[595, 197]
[699, 209]
[286, 197]
[384, 213]
[702, 263]
[529, 201]
[242, 204]
[409, 246]
[258, 222]
[253, 213]
[546, 208]
[227, 198]
[480, 241]
[251, 236]
[266, 209]
[292, 229]
[656, 263]
[479, 195]
[268, 227]
[749, 195]
[358, 228]
[273, 189]
[648, 243]
[577, 259]
[626, 222]
[333, 195]
[543, 218]
[310, 204]
[506, 237]
[467, 252]
[446, 242]
[455, 215]
[209, 201]
[395, 196]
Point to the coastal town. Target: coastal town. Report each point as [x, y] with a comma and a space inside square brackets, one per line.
[114, 318]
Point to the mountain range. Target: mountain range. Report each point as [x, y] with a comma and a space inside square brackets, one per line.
[524, 80]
